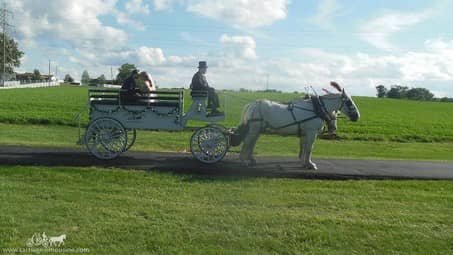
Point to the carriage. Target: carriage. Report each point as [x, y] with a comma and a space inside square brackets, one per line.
[113, 123]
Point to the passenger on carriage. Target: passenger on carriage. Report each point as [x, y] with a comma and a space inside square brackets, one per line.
[128, 89]
[199, 83]
[149, 85]
[148, 81]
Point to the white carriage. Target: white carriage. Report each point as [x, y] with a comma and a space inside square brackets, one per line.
[113, 124]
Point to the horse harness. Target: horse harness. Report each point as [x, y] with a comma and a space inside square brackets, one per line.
[319, 109]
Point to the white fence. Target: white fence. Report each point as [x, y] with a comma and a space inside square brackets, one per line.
[18, 85]
[111, 86]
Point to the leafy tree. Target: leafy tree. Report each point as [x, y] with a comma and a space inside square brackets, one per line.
[398, 92]
[381, 91]
[446, 99]
[124, 71]
[68, 78]
[13, 55]
[36, 75]
[85, 78]
[101, 79]
[420, 94]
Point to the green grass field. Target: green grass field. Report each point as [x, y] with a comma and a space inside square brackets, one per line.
[382, 119]
[112, 211]
[134, 212]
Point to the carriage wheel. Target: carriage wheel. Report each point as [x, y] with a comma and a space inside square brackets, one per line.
[106, 138]
[131, 136]
[209, 144]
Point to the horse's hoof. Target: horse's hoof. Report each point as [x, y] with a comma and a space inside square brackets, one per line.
[244, 163]
[249, 163]
[311, 167]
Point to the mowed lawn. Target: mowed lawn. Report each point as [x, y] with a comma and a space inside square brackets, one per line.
[112, 211]
[382, 119]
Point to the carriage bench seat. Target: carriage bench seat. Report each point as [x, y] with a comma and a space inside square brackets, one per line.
[174, 104]
[155, 99]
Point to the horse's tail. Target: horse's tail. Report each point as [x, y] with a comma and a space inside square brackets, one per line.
[247, 114]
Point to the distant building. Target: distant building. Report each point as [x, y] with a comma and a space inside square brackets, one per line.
[29, 77]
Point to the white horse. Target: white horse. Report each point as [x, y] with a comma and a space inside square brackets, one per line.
[57, 240]
[299, 117]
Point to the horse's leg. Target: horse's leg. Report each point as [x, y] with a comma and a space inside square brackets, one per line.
[245, 145]
[249, 144]
[309, 140]
[301, 150]
[253, 140]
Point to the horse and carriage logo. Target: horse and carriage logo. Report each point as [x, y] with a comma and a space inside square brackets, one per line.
[42, 240]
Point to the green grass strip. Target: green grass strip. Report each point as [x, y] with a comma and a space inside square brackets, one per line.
[134, 212]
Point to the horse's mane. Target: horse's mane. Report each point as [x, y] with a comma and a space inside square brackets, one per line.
[331, 96]
[307, 99]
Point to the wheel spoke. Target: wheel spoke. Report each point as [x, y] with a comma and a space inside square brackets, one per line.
[106, 138]
[209, 145]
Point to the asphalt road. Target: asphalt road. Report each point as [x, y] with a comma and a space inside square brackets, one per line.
[272, 167]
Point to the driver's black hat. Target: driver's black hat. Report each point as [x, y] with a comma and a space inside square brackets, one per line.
[202, 64]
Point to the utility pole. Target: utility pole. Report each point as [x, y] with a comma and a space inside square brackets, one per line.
[267, 82]
[111, 74]
[5, 15]
[49, 73]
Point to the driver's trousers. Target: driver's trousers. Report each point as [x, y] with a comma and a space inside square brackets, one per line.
[213, 99]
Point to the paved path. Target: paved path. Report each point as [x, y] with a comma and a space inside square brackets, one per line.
[183, 163]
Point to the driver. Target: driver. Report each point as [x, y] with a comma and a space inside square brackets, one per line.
[200, 83]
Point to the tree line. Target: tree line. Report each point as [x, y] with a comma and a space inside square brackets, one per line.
[123, 72]
[404, 92]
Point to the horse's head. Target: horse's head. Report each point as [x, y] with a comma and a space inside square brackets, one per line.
[348, 106]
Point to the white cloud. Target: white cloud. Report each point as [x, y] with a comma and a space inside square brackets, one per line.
[239, 13]
[77, 26]
[242, 47]
[137, 6]
[74, 22]
[359, 72]
[160, 5]
[427, 68]
[124, 19]
[327, 10]
[143, 56]
[149, 56]
[378, 31]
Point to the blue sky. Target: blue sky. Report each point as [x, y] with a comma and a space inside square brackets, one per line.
[361, 44]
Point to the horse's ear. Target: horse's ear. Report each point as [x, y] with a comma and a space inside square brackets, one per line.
[336, 86]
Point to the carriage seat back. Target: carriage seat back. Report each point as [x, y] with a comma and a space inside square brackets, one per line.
[155, 98]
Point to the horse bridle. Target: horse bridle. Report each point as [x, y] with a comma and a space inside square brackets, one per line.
[345, 100]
